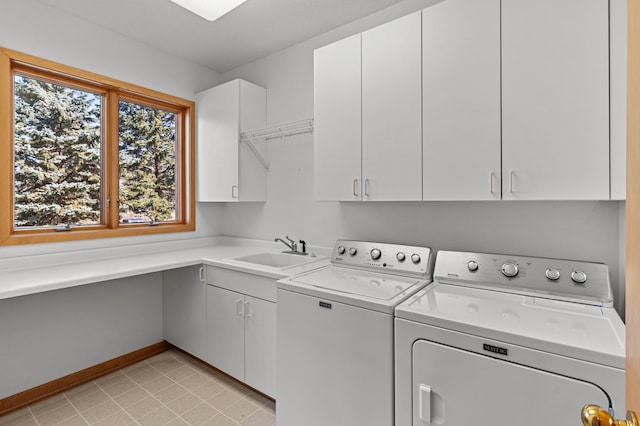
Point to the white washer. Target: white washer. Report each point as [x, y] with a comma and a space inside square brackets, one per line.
[508, 340]
[335, 334]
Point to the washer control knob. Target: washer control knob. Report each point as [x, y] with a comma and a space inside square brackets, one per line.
[375, 254]
[401, 256]
[509, 269]
[415, 258]
[353, 251]
[341, 249]
[579, 277]
[472, 265]
[552, 274]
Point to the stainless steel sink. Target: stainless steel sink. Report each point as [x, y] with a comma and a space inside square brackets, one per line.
[277, 260]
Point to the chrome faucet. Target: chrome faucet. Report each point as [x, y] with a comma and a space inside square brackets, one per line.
[293, 246]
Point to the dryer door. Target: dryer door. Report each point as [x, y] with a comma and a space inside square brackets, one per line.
[455, 387]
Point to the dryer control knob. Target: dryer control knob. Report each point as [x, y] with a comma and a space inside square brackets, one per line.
[552, 274]
[375, 254]
[579, 277]
[353, 251]
[341, 250]
[415, 258]
[510, 269]
[472, 265]
[401, 256]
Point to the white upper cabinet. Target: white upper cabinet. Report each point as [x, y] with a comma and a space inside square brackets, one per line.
[228, 170]
[367, 101]
[555, 99]
[618, 88]
[461, 100]
[476, 100]
[337, 121]
[391, 110]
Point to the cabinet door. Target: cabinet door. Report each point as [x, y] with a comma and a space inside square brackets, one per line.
[461, 100]
[555, 99]
[217, 133]
[618, 18]
[260, 345]
[184, 309]
[392, 110]
[225, 329]
[337, 121]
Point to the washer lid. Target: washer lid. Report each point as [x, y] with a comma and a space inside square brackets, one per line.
[364, 289]
[586, 332]
[356, 282]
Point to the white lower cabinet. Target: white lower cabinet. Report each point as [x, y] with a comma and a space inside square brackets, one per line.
[225, 323]
[184, 309]
[260, 345]
[227, 320]
[241, 328]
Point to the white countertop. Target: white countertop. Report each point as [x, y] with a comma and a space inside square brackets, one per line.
[36, 274]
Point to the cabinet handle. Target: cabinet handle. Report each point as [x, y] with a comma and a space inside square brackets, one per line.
[491, 182]
[234, 191]
[510, 180]
[425, 403]
[247, 310]
[201, 271]
[239, 310]
[355, 187]
[366, 187]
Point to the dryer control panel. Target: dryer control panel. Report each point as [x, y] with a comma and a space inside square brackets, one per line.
[396, 259]
[584, 282]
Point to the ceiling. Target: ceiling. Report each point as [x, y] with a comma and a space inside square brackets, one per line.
[253, 30]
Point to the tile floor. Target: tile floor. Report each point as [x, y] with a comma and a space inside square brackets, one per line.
[168, 389]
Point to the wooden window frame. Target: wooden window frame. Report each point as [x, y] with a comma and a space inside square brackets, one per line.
[113, 91]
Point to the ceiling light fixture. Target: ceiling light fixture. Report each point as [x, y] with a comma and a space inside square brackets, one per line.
[209, 9]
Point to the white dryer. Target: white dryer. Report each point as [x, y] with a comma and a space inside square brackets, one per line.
[499, 340]
[335, 334]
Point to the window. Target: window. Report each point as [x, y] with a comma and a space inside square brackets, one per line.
[57, 154]
[85, 156]
[147, 154]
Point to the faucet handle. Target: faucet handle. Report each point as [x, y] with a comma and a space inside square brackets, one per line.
[290, 240]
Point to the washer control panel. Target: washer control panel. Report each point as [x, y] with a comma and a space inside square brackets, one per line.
[585, 282]
[392, 258]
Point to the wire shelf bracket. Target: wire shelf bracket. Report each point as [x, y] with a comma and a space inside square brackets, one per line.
[254, 138]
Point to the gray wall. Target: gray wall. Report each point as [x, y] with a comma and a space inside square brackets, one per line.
[33, 27]
[46, 336]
